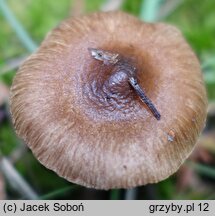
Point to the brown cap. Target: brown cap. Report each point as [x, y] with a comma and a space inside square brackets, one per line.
[84, 120]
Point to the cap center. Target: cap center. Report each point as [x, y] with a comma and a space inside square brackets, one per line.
[110, 91]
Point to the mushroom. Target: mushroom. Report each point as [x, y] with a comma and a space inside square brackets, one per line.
[74, 104]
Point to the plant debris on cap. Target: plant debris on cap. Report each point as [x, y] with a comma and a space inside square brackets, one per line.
[83, 119]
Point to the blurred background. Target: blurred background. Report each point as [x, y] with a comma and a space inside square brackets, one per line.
[23, 26]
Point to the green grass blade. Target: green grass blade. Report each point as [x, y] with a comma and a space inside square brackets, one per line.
[203, 169]
[115, 194]
[209, 76]
[208, 62]
[58, 192]
[149, 10]
[21, 33]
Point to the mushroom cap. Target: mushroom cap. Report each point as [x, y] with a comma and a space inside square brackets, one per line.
[60, 110]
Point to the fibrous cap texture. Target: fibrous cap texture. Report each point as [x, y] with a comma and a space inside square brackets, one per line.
[87, 124]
